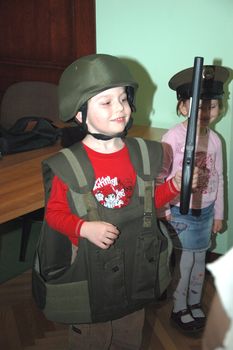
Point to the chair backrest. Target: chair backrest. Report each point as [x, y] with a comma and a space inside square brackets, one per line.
[29, 98]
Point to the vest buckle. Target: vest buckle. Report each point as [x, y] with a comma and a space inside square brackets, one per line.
[147, 219]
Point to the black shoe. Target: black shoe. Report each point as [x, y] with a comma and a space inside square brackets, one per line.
[201, 320]
[189, 327]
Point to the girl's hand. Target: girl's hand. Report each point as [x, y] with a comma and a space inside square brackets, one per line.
[177, 179]
[100, 233]
[217, 226]
[195, 178]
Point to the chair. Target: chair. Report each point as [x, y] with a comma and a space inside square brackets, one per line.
[29, 98]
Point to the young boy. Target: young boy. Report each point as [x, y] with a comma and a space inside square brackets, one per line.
[102, 250]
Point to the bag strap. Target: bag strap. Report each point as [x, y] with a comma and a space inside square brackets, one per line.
[22, 123]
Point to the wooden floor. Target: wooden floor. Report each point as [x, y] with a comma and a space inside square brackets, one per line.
[23, 326]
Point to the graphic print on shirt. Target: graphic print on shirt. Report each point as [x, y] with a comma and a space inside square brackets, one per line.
[207, 181]
[112, 193]
[207, 174]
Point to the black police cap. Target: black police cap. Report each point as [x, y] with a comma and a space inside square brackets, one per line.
[213, 79]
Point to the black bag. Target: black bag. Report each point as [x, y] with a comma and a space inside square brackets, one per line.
[21, 138]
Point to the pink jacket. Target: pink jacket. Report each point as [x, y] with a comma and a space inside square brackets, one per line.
[208, 158]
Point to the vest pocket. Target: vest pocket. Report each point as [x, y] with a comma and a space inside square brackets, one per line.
[110, 288]
[146, 267]
[62, 302]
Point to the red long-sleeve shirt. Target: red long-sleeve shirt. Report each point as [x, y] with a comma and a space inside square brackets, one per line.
[113, 188]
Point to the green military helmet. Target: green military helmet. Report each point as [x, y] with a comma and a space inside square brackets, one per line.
[86, 77]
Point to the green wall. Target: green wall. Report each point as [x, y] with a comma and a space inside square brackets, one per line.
[157, 39]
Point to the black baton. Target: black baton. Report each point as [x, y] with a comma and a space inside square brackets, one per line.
[189, 153]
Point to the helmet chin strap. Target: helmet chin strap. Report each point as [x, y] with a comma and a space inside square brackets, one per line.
[109, 137]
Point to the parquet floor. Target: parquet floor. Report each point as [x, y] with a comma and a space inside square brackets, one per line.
[23, 326]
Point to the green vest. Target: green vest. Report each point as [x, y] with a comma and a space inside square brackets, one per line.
[89, 284]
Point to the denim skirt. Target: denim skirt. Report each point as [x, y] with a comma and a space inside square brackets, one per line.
[192, 231]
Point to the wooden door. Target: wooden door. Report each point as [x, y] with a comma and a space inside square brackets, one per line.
[39, 38]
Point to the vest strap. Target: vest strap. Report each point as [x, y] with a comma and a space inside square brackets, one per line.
[145, 155]
[88, 203]
[147, 220]
[78, 203]
[91, 206]
[148, 187]
[75, 165]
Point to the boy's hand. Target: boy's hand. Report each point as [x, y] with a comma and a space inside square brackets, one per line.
[100, 233]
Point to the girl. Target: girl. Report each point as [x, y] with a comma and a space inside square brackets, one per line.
[191, 233]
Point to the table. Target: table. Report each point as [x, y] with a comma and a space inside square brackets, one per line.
[21, 185]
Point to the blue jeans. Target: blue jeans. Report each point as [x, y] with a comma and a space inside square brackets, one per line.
[192, 231]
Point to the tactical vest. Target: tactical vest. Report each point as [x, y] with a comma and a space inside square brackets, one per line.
[89, 284]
